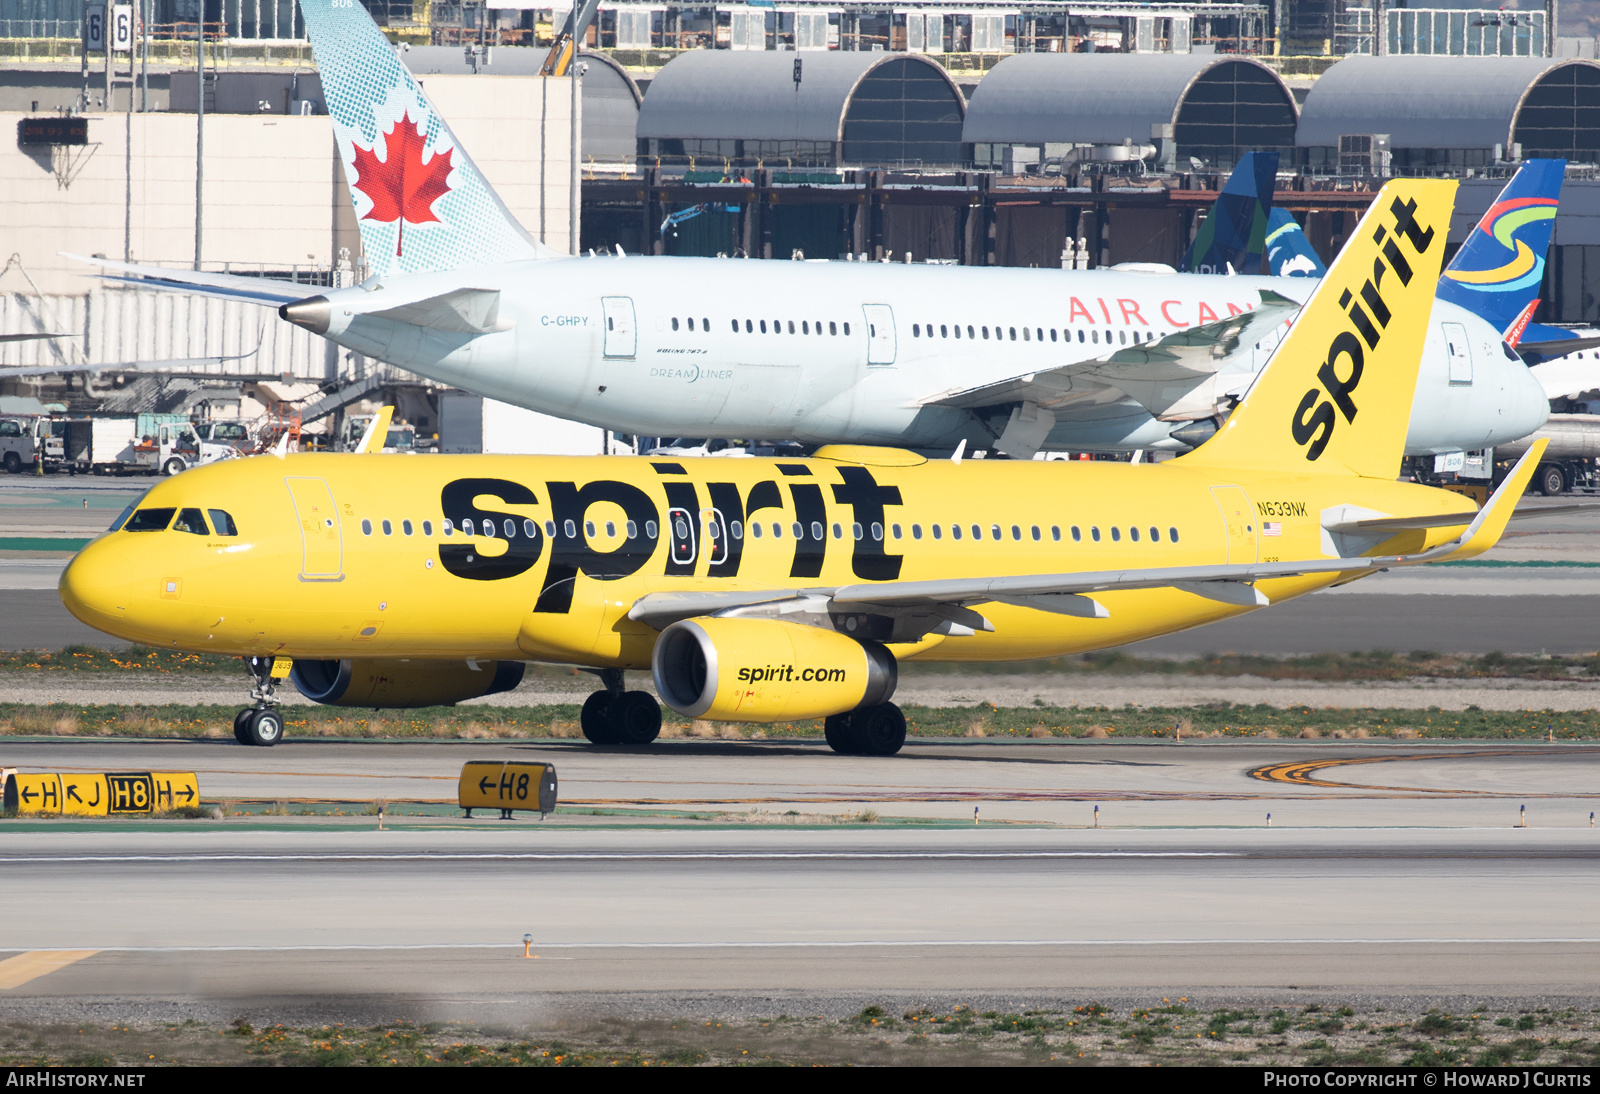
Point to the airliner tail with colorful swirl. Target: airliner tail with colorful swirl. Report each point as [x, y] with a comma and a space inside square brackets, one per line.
[1499, 270]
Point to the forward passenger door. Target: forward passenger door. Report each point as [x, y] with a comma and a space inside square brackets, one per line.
[622, 339]
[1455, 340]
[880, 334]
[322, 546]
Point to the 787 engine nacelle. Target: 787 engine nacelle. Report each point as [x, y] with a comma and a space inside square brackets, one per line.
[762, 670]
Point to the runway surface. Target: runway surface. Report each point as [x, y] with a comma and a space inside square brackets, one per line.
[1389, 870]
[1054, 780]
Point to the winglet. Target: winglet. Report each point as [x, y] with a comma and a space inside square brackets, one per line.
[377, 431]
[1490, 523]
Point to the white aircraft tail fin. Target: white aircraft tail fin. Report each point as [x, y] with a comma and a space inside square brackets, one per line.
[421, 203]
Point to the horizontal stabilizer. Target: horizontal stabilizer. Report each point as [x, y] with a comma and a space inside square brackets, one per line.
[255, 290]
[1444, 520]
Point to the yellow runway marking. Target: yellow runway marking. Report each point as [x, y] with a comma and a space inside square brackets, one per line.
[19, 970]
[1305, 772]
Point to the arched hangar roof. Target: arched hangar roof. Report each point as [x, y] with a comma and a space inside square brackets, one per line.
[610, 95]
[610, 107]
[739, 95]
[1456, 102]
[1106, 98]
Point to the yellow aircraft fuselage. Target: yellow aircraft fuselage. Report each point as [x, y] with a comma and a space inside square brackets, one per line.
[365, 556]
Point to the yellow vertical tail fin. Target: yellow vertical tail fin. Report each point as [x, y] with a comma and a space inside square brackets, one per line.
[1336, 396]
[377, 434]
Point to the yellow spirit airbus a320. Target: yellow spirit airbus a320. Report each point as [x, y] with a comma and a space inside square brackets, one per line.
[763, 590]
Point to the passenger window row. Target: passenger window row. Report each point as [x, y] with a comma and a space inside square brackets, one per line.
[1030, 334]
[192, 521]
[754, 326]
[509, 528]
[816, 529]
[1035, 533]
[996, 533]
[221, 523]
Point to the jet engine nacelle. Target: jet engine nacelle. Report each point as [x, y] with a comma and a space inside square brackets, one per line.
[762, 670]
[396, 683]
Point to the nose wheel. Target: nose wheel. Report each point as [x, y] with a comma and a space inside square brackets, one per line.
[618, 717]
[260, 725]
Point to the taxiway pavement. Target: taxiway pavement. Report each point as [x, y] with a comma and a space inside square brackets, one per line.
[1390, 869]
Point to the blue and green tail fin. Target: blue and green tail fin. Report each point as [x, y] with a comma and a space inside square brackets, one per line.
[1289, 252]
[1233, 237]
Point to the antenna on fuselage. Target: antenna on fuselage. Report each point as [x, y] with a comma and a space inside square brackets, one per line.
[961, 450]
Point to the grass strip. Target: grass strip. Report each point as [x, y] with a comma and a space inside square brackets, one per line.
[1169, 1031]
[1377, 665]
[43, 543]
[559, 721]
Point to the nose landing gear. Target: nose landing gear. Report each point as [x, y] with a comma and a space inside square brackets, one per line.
[618, 717]
[261, 724]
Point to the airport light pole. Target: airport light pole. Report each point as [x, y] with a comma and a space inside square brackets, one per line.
[574, 198]
[146, 10]
[199, 133]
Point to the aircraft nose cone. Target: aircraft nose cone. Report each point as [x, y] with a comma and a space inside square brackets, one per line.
[95, 587]
[312, 313]
[1528, 407]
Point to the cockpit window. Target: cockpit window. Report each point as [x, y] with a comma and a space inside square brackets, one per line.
[221, 523]
[191, 520]
[122, 518]
[150, 520]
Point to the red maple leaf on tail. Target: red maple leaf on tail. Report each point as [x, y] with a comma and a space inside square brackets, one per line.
[402, 187]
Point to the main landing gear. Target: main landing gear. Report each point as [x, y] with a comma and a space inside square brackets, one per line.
[261, 724]
[878, 730]
[617, 717]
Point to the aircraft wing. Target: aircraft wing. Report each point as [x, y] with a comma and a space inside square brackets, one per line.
[1563, 379]
[946, 605]
[1536, 352]
[1159, 375]
[255, 290]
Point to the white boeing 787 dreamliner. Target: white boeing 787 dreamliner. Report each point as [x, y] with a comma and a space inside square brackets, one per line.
[1015, 360]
